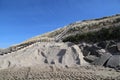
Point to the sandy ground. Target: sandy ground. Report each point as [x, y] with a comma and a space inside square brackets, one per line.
[52, 73]
[29, 64]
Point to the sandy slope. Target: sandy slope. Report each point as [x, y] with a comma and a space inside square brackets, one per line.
[44, 53]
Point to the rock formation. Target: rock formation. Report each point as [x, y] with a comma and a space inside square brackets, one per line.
[104, 53]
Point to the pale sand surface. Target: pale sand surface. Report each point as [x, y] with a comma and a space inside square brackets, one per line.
[52, 73]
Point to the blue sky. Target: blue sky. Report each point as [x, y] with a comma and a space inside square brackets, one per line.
[23, 19]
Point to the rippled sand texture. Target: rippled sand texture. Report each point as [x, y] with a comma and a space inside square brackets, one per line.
[81, 73]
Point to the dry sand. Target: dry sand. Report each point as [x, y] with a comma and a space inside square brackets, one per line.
[52, 73]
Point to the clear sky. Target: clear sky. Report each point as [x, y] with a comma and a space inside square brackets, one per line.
[23, 19]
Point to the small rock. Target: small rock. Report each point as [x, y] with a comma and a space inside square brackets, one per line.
[100, 52]
[90, 58]
[69, 44]
[113, 49]
[93, 50]
[102, 60]
[118, 46]
[86, 51]
[114, 62]
[111, 43]
[102, 44]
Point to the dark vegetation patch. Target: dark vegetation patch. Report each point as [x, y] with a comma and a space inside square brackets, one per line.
[112, 33]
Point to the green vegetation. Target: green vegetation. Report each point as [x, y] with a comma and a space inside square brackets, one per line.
[111, 33]
[98, 23]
